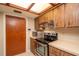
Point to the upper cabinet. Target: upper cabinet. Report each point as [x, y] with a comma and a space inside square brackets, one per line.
[50, 16]
[72, 15]
[77, 15]
[46, 17]
[41, 19]
[66, 15]
[37, 23]
[59, 16]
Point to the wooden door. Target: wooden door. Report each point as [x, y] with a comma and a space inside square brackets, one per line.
[15, 35]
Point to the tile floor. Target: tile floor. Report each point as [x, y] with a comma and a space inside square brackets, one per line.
[28, 53]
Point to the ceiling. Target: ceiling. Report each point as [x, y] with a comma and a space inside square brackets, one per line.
[36, 8]
[16, 12]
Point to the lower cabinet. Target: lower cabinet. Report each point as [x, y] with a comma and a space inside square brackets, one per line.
[53, 51]
[33, 44]
[57, 52]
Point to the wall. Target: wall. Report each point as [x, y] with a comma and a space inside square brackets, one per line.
[70, 34]
[2, 34]
[5, 10]
[29, 25]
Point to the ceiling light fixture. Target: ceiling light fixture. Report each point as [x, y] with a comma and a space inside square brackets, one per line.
[39, 7]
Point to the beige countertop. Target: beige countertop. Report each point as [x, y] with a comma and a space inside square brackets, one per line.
[68, 46]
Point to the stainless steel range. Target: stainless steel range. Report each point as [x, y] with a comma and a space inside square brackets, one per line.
[42, 49]
[42, 43]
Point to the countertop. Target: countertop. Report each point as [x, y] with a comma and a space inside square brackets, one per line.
[65, 45]
[68, 46]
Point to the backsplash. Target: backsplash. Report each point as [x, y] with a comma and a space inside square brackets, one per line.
[71, 34]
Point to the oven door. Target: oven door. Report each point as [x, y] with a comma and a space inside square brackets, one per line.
[42, 49]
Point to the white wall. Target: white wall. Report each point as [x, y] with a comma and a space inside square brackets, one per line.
[5, 10]
[2, 34]
[29, 25]
[70, 34]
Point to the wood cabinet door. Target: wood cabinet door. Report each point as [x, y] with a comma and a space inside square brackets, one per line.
[50, 16]
[41, 19]
[67, 54]
[37, 24]
[45, 17]
[33, 44]
[54, 51]
[59, 16]
[15, 35]
[57, 52]
[71, 14]
[77, 14]
[50, 51]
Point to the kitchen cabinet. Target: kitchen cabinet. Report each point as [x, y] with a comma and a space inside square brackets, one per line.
[57, 52]
[77, 15]
[54, 51]
[66, 15]
[33, 44]
[72, 15]
[37, 24]
[46, 18]
[66, 54]
[42, 19]
[56, 15]
[59, 16]
[51, 15]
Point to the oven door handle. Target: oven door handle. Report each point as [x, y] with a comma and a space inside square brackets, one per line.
[41, 43]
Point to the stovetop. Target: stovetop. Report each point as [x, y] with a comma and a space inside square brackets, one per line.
[42, 40]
